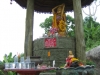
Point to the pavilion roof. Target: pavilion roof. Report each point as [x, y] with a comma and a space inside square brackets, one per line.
[46, 6]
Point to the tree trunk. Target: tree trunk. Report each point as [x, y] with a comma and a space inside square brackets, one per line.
[79, 32]
[29, 28]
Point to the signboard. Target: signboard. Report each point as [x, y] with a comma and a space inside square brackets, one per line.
[50, 42]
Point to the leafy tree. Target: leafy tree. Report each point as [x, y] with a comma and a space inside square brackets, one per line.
[70, 24]
[91, 30]
[8, 58]
[46, 24]
[1, 72]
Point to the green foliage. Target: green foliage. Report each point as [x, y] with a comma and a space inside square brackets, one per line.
[1, 67]
[91, 30]
[89, 62]
[22, 55]
[1, 72]
[8, 58]
[11, 73]
[1, 63]
[46, 24]
[70, 26]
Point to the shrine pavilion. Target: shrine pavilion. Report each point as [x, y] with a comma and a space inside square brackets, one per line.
[45, 6]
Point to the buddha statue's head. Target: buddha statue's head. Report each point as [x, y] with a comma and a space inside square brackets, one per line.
[71, 54]
[59, 10]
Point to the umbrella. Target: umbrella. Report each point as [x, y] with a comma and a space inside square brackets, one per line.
[47, 5]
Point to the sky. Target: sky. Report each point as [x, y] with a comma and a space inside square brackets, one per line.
[12, 27]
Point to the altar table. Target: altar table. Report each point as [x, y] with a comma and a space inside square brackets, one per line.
[28, 71]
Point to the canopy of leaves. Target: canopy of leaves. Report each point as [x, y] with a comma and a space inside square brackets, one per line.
[46, 24]
[91, 30]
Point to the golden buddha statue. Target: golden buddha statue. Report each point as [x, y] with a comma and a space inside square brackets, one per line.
[59, 19]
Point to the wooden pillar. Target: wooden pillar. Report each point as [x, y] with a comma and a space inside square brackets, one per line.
[79, 32]
[29, 28]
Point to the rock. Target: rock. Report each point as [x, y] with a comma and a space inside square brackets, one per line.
[94, 55]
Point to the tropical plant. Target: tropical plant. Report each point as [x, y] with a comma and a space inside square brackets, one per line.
[70, 26]
[91, 29]
[8, 59]
[1, 68]
[1, 72]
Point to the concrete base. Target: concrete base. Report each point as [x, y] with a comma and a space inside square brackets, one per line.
[58, 53]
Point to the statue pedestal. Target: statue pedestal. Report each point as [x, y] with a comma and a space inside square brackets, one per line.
[58, 47]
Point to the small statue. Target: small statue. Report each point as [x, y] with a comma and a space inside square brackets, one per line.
[68, 59]
[59, 19]
[71, 61]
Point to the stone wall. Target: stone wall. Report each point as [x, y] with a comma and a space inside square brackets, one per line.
[58, 53]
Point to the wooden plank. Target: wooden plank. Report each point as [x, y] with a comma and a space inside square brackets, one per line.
[79, 33]
[29, 28]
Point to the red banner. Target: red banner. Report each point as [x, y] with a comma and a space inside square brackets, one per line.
[50, 42]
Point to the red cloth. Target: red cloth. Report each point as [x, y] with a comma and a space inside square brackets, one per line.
[68, 62]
